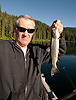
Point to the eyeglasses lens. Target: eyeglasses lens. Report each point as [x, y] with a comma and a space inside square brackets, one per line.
[21, 29]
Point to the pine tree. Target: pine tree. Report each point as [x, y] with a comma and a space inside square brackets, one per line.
[3, 25]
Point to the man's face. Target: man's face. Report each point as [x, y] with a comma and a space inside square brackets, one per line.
[23, 38]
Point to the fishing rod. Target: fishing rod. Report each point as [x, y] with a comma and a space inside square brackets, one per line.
[69, 78]
[72, 94]
[52, 95]
[69, 96]
[64, 68]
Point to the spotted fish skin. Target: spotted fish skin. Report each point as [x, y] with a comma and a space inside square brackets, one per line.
[54, 50]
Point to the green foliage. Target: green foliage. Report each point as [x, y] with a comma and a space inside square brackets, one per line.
[69, 34]
[71, 48]
[42, 31]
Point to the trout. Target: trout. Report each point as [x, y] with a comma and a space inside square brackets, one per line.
[54, 50]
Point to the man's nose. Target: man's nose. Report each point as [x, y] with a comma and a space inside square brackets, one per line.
[26, 32]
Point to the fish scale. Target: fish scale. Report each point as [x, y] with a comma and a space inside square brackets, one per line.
[54, 50]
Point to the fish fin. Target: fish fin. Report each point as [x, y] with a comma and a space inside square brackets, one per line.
[57, 60]
[54, 70]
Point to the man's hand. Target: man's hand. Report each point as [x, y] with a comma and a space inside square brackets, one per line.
[57, 23]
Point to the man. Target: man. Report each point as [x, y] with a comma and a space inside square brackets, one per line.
[20, 62]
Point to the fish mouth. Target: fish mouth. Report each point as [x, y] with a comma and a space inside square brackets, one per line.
[54, 70]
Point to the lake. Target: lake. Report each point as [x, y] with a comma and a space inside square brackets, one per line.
[64, 82]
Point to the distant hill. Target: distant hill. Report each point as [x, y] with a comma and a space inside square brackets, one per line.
[69, 34]
[42, 30]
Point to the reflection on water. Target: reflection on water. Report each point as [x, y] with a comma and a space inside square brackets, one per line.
[42, 42]
[71, 48]
[65, 81]
[61, 83]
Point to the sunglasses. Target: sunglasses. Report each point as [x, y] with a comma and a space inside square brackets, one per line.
[21, 29]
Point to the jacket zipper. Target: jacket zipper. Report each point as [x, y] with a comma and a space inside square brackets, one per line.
[26, 76]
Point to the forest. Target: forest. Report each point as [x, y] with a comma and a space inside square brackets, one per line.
[42, 30]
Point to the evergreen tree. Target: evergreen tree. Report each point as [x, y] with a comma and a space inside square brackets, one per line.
[42, 31]
[3, 25]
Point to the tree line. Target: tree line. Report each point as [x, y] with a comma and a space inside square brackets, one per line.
[42, 31]
[69, 33]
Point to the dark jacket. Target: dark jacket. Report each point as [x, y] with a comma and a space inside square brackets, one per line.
[20, 77]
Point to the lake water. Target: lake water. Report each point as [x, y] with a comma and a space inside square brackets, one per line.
[64, 82]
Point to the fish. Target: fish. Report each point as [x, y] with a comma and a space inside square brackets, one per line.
[54, 50]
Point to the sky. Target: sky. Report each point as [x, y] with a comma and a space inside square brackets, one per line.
[45, 11]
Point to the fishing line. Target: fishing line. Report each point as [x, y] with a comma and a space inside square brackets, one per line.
[68, 75]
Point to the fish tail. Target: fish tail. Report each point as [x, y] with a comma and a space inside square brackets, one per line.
[54, 70]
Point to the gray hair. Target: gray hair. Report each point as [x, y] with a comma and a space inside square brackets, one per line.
[24, 16]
